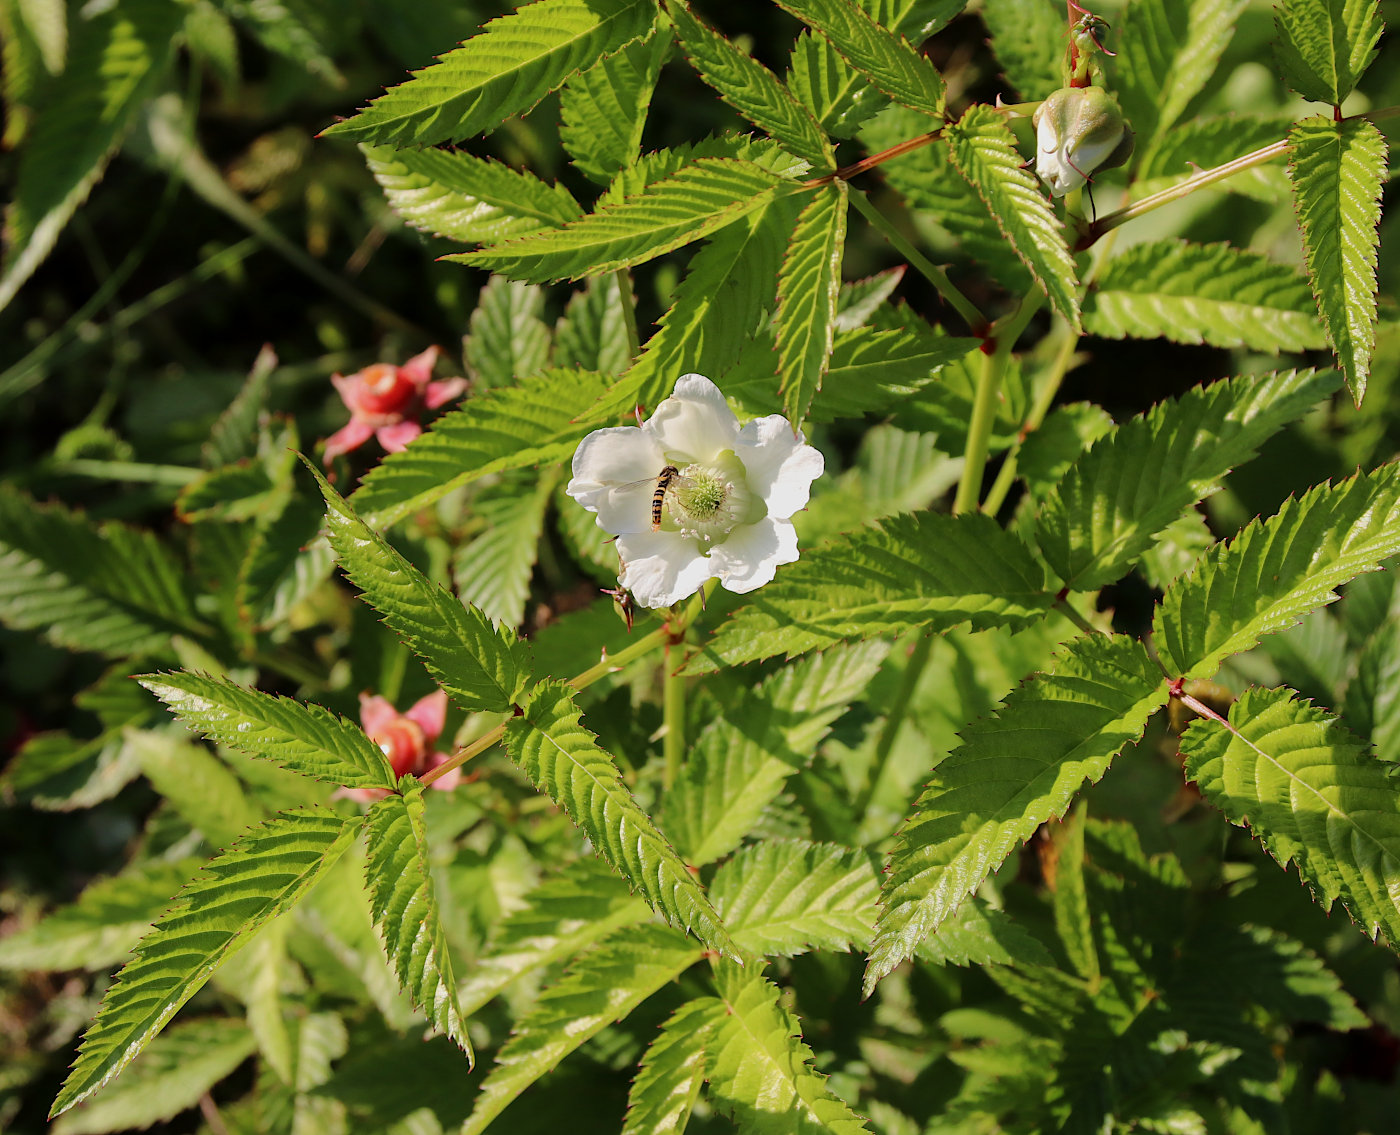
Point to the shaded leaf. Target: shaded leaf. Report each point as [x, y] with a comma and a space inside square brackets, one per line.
[480, 666]
[1324, 46]
[604, 108]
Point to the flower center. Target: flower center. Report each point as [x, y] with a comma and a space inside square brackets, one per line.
[383, 390]
[402, 741]
[708, 499]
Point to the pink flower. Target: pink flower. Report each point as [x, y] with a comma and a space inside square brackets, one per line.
[406, 739]
[386, 401]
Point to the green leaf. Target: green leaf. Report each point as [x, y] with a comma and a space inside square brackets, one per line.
[301, 736]
[563, 759]
[1206, 142]
[742, 758]
[781, 898]
[503, 70]
[109, 589]
[882, 56]
[672, 1070]
[1167, 54]
[493, 571]
[1028, 39]
[984, 152]
[601, 987]
[1141, 476]
[592, 332]
[201, 789]
[1263, 967]
[284, 564]
[405, 910]
[1202, 293]
[836, 93]
[916, 570]
[480, 667]
[565, 914]
[1277, 570]
[808, 285]
[696, 200]
[1373, 692]
[977, 935]
[516, 427]
[260, 877]
[1324, 46]
[176, 1069]
[724, 298]
[1013, 771]
[465, 198]
[874, 370]
[1312, 794]
[761, 1072]
[930, 183]
[1337, 170]
[604, 108]
[117, 58]
[750, 88]
[296, 35]
[1064, 875]
[508, 340]
[101, 926]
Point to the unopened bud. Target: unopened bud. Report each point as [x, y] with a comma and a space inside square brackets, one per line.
[1078, 130]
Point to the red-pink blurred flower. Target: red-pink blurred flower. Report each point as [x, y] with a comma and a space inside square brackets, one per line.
[406, 739]
[386, 401]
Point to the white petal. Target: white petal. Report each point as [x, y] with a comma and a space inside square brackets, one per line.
[661, 568]
[751, 555]
[615, 473]
[695, 423]
[780, 467]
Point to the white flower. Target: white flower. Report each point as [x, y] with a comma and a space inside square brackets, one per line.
[723, 494]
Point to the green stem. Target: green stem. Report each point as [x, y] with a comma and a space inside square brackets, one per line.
[629, 313]
[1045, 398]
[921, 263]
[664, 635]
[979, 431]
[673, 717]
[894, 720]
[1181, 189]
[1063, 606]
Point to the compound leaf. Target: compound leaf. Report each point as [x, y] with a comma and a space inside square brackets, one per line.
[1013, 771]
[563, 759]
[1277, 570]
[240, 890]
[1141, 476]
[915, 570]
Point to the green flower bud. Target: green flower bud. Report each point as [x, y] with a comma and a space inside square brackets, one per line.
[1078, 130]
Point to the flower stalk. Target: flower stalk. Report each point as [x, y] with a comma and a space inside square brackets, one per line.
[1001, 340]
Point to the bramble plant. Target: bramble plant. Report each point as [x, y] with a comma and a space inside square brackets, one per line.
[953, 714]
